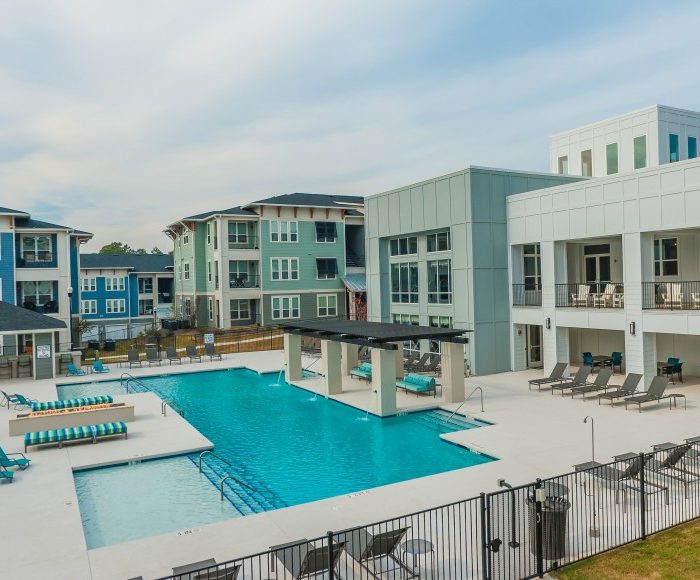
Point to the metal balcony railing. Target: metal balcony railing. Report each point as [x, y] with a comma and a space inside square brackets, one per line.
[590, 295]
[243, 281]
[671, 295]
[240, 242]
[50, 307]
[527, 294]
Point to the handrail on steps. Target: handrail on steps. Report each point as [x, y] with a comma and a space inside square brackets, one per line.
[481, 394]
[164, 406]
[227, 476]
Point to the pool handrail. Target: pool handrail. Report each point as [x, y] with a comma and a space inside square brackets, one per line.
[481, 394]
[227, 476]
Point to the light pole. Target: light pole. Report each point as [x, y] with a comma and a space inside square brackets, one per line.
[594, 531]
[70, 314]
[585, 420]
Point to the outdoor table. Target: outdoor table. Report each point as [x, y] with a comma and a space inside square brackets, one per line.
[664, 446]
[629, 456]
[587, 465]
[601, 358]
[662, 366]
[673, 399]
[418, 548]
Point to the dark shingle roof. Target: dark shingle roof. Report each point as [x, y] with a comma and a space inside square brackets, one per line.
[16, 319]
[231, 211]
[81, 233]
[133, 262]
[8, 211]
[312, 200]
[38, 225]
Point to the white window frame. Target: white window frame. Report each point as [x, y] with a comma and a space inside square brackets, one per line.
[210, 308]
[88, 307]
[325, 310]
[35, 251]
[663, 260]
[185, 238]
[236, 312]
[112, 281]
[186, 270]
[237, 238]
[284, 237]
[88, 284]
[142, 282]
[281, 269]
[326, 241]
[115, 306]
[437, 296]
[398, 246]
[153, 306]
[290, 299]
[435, 235]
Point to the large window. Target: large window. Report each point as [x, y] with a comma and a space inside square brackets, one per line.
[237, 234]
[88, 284]
[438, 322]
[532, 267]
[640, 152]
[284, 268]
[114, 284]
[439, 242]
[284, 231]
[439, 282]
[404, 282]
[327, 304]
[403, 246]
[240, 309]
[587, 163]
[88, 307]
[38, 294]
[145, 285]
[285, 307]
[563, 165]
[611, 157]
[146, 307]
[692, 147]
[326, 268]
[666, 257]
[673, 148]
[36, 248]
[326, 232]
[116, 306]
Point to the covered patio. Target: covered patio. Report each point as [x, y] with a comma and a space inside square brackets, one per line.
[340, 341]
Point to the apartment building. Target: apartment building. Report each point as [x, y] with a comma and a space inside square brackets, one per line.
[124, 294]
[39, 267]
[291, 256]
[613, 263]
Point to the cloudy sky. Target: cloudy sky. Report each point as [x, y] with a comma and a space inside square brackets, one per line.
[120, 117]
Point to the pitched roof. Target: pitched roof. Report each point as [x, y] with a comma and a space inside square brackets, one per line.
[29, 223]
[312, 200]
[16, 319]
[231, 211]
[133, 262]
[8, 211]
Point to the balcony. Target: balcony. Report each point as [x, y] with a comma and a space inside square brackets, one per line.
[48, 307]
[243, 242]
[671, 295]
[236, 281]
[593, 295]
[527, 294]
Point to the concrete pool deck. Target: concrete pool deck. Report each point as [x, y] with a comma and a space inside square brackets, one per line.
[534, 435]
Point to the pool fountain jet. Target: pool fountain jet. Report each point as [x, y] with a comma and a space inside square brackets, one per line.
[279, 379]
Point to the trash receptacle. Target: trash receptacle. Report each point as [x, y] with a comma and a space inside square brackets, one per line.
[93, 345]
[110, 346]
[554, 514]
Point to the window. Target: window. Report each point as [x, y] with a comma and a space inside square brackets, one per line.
[692, 147]
[88, 307]
[36, 248]
[403, 246]
[439, 282]
[640, 152]
[404, 282]
[237, 234]
[532, 267]
[563, 165]
[326, 268]
[673, 149]
[187, 270]
[116, 306]
[209, 271]
[145, 285]
[284, 268]
[410, 346]
[38, 293]
[327, 304]
[88, 284]
[587, 163]
[210, 304]
[186, 238]
[284, 231]
[611, 158]
[285, 307]
[208, 232]
[438, 322]
[439, 242]
[114, 284]
[326, 232]
[216, 273]
[240, 309]
[146, 307]
[666, 257]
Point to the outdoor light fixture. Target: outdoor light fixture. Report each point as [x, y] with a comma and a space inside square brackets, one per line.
[633, 328]
[548, 323]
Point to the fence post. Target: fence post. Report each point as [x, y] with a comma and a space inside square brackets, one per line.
[643, 498]
[331, 571]
[484, 539]
[539, 555]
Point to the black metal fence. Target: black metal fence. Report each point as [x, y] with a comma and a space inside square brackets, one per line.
[527, 294]
[514, 533]
[590, 295]
[671, 295]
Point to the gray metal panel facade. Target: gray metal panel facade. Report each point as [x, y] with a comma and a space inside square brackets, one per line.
[307, 306]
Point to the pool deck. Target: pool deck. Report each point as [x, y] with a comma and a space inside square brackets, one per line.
[534, 435]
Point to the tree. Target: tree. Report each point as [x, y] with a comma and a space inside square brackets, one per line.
[156, 251]
[122, 248]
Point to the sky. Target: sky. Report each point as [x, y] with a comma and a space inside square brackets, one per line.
[120, 117]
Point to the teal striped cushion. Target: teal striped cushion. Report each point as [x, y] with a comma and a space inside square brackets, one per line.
[72, 403]
[113, 428]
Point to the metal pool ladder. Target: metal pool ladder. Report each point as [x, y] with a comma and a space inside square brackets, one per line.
[481, 395]
[131, 379]
[164, 406]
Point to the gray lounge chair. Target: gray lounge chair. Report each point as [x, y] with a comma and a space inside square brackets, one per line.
[420, 363]
[364, 354]
[369, 550]
[627, 389]
[622, 480]
[557, 374]
[192, 353]
[304, 560]
[654, 394]
[206, 570]
[152, 356]
[429, 367]
[669, 468]
[172, 355]
[210, 351]
[600, 384]
[578, 380]
[133, 357]
[411, 359]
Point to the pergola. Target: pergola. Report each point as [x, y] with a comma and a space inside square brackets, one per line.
[340, 340]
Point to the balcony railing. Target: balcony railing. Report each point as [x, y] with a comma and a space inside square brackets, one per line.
[594, 295]
[527, 294]
[243, 242]
[50, 307]
[243, 281]
[671, 295]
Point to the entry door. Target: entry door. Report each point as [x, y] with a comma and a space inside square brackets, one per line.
[534, 345]
[597, 263]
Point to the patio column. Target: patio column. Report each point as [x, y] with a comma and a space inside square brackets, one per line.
[452, 365]
[348, 358]
[399, 360]
[383, 382]
[292, 357]
[331, 365]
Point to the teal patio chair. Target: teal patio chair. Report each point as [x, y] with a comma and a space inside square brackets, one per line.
[588, 360]
[675, 366]
[22, 401]
[7, 399]
[6, 475]
[6, 462]
[98, 367]
[74, 371]
[615, 361]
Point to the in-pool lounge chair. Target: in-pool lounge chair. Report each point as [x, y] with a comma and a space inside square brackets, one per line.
[304, 560]
[418, 384]
[654, 394]
[210, 351]
[600, 384]
[133, 357]
[152, 356]
[627, 389]
[74, 371]
[6, 462]
[171, 352]
[98, 367]
[557, 374]
[578, 380]
[77, 434]
[191, 351]
[362, 372]
[373, 552]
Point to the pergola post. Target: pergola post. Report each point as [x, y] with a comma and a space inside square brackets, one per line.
[292, 357]
[331, 365]
[348, 357]
[384, 381]
[452, 365]
[399, 360]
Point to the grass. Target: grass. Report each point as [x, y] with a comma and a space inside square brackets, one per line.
[673, 554]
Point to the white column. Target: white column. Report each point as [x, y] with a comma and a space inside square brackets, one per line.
[519, 360]
[330, 363]
[383, 382]
[348, 361]
[452, 365]
[638, 266]
[555, 341]
[292, 357]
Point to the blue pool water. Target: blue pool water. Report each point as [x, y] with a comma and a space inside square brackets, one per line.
[288, 445]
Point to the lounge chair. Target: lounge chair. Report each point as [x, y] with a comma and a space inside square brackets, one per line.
[6, 462]
[206, 570]
[22, 401]
[152, 356]
[654, 394]
[368, 550]
[411, 359]
[82, 433]
[75, 371]
[8, 399]
[7, 475]
[210, 351]
[303, 560]
[133, 357]
[98, 367]
[363, 372]
[627, 389]
[418, 384]
[600, 384]
[171, 353]
[622, 480]
[578, 380]
[192, 353]
[430, 367]
[669, 468]
[364, 354]
[556, 375]
[420, 363]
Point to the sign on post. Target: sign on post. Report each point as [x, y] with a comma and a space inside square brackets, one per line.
[43, 351]
[209, 338]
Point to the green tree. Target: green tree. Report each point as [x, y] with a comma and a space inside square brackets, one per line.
[156, 251]
[117, 248]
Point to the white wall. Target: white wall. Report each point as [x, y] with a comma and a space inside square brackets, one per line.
[594, 341]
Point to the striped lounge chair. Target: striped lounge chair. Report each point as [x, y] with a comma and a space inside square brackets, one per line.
[92, 432]
[71, 403]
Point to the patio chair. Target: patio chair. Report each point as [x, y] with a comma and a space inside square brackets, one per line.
[152, 356]
[654, 394]
[303, 560]
[6, 462]
[556, 375]
[191, 351]
[411, 359]
[669, 468]
[675, 366]
[578, 380]
[75, 371]
[7, 475]
[5, 367]
[369, 550]
[615, 361]
[420, 363]
[98, 367]
[673, 297]
[627, 389]
[210, 351]
[22, 401]
[24, 365]
[431, 366]
[622, 480]
[600, 384]
[206, 570]
[582, 296]
[7, 399]
[606, 298]
[588, 360]
[133, 357]
[171, 353]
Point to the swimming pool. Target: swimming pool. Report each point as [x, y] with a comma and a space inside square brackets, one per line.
[285, 446]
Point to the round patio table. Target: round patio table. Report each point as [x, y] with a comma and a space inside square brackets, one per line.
[418, 547]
